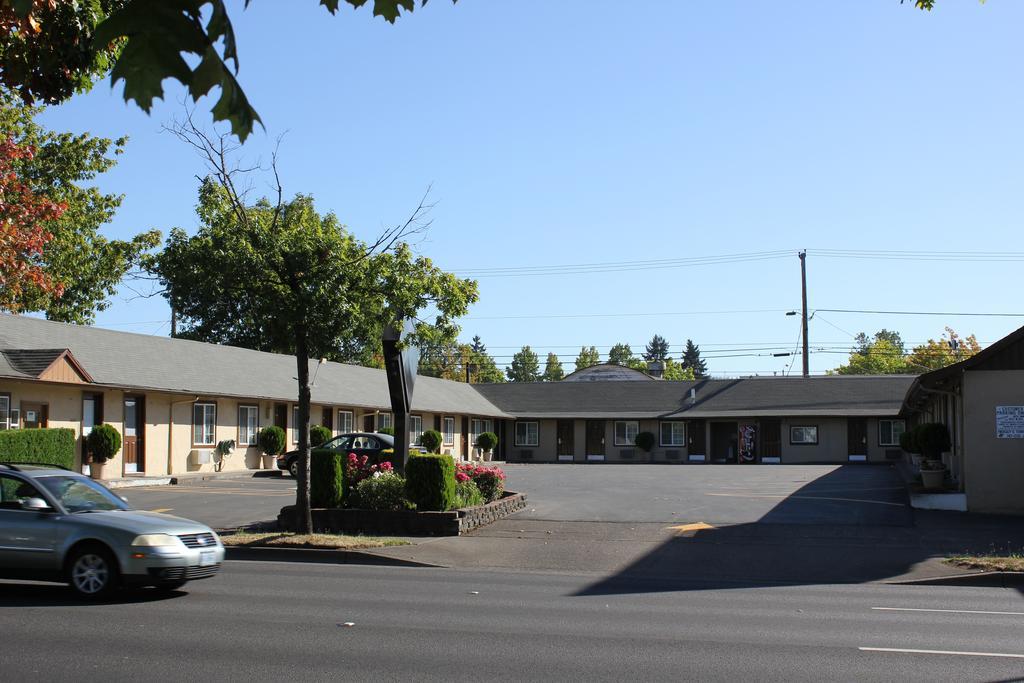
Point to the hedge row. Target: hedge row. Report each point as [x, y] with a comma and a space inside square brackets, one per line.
[43, 446]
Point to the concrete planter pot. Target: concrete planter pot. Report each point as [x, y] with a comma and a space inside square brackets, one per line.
[269, 462]
[933, 479]
[98, 470]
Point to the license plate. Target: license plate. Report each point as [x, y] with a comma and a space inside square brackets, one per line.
[207, 558]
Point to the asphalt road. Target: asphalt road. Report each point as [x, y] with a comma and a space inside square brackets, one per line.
[218, 503]
[285, 621]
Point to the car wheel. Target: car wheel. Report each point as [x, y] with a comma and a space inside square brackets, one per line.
[293, 468]
[92, 573]
[170, 585]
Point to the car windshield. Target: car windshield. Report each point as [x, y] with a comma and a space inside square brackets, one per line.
[78, 494]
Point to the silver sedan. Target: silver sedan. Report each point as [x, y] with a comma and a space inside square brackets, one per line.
[57, 525]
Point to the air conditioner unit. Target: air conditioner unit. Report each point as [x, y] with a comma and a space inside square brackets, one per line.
[201, 456]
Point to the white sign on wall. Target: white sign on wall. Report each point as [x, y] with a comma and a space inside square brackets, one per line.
[1010, 422]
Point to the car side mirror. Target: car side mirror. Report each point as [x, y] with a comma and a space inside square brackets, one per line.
[36, 504]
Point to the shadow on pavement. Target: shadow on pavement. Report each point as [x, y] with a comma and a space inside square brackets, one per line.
[318, 556]
[56, 595]
[836, 529]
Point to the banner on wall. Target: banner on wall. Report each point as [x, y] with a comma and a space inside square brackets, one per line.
[748, 442]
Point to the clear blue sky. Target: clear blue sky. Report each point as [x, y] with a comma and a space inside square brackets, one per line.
[581, 132]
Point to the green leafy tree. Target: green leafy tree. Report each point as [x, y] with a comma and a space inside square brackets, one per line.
[879, 357]
[588, 356]
[553, 371]
[621, 354]
[525, 366]
[949, 349]
[86, 266]
[300, 277]
[864, 342]
[457, 362]
[678, 373]
[657, 348]
[693, 361]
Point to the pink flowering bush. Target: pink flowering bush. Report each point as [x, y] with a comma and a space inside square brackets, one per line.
[358, 468]
[490, 480]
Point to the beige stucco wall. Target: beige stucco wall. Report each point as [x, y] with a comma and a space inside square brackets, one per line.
[993, 468]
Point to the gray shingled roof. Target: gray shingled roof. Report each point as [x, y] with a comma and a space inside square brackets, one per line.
[750, 397]
[31, 361]
[138, 361]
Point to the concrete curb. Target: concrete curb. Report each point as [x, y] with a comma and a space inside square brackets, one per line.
[189, 479]
[135, 483]
[977, 579]
[318, 556]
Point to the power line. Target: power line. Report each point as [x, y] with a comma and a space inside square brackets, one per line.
[618, 315]
[621, 266]
[943, 313]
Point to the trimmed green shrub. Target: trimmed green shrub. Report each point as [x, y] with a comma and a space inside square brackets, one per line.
[431, 441]
[908, 441]
[326, 478]
[644, 441]
[43, 446]
[386, 430]
[104, 442]
[430, 481]
[932, 439]
[467, 495]
[385, 492]
[271, 440]
[318, 435]
[487, 441]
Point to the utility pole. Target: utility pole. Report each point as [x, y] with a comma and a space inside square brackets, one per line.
[803, 288]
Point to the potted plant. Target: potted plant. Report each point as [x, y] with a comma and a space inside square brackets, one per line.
[104, 442]
[486, 443]
[318, 436]
[645, 442]
[271, 441]
[223, 450]
[431, 441]
[908, 442]
[932, 441]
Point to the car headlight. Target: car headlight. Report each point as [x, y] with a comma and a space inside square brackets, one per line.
[155, 540]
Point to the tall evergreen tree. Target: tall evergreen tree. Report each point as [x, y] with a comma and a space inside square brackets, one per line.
[620, 354]
[553, 371]
[657, 348]
[693, 361]
[478, 345]
[525, 366]
[588, 356]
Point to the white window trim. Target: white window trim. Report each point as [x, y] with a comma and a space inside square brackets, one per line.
[528, 442]
[295, 423]
[448, 437]
[5, 413]
[213, 437]
[661, 433]
[243, 423]
[351, 419]
[384, 421]
[615, 432]
[803, 443]
[415, 436]
[892, 423]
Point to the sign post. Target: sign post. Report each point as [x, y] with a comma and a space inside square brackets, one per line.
[400, 365]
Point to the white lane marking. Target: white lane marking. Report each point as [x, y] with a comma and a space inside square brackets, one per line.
[950, 611]
[908, 651]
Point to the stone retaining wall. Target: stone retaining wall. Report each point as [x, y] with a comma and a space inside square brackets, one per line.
[406, 522]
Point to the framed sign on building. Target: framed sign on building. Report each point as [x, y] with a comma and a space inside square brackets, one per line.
[1010, 422]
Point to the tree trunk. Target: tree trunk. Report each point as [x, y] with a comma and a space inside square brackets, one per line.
[302, 496]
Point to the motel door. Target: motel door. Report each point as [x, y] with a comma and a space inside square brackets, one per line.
[696, 444]
[34, 415]
[281, 416]
[595, 437]
[566, 444]
[133, 431]
[857, 439]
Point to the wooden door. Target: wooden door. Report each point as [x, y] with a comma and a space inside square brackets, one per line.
[566, 437]
[34, 415]
[132, 434]
[327, 420]
[697, 439]
[857, 438]
[281, 416]
[595, 437]
[771, 438]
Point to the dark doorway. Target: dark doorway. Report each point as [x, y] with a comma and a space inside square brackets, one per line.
[857, 439]
[328, 418]
[281, 416]
[724, 441]
[566, 438]
[134, 434]
[595, 437]
[696, 439]
[771, 440]
[34, 415]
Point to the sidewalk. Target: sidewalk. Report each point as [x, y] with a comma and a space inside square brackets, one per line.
[188, 479]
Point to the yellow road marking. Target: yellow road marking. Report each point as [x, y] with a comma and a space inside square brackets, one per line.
[162, 510]
[846, 500]
[689, 529]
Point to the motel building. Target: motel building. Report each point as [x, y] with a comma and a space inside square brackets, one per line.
[173, 400]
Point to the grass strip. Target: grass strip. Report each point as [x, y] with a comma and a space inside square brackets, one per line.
[282, 539]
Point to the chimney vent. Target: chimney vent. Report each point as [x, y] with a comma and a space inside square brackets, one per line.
[656, 368]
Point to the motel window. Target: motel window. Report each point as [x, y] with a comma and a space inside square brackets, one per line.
[345, 421]
[415, 429]
[5, 411]
[204, 424]
[248, 425]
[295, 424]
[383, 421]
[673, 433]
[478, 427]
[449, 431]
[527, 434]
[625, 432]
[889, 432]
[803, 435]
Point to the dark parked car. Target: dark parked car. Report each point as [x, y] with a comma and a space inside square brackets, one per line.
[360, 443]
